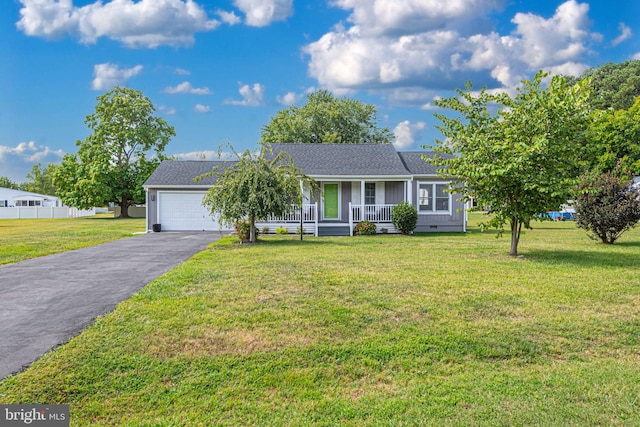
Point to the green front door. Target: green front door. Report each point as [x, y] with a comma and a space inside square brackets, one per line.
[331, 201]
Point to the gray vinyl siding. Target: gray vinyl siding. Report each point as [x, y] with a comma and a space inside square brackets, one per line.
[345, 200]
[439, 222]
[393, 192]
[152, 208]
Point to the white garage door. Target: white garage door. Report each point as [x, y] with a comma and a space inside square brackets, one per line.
[183, 211]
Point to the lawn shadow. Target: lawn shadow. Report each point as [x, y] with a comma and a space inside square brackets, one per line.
[628, 244]
[584, 258]
[307, 241]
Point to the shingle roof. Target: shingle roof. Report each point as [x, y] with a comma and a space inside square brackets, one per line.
[315, 160]
[344, 159]
[415, 163]
[183, 172]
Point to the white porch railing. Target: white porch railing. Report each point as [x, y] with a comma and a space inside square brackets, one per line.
[309, 216]
[372, 213]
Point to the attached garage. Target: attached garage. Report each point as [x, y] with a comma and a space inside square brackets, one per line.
[174, 196]
[183, 211]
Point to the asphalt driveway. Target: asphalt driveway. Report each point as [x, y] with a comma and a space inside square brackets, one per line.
[47, 300]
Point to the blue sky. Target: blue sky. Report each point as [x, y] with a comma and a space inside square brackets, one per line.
[219, 70]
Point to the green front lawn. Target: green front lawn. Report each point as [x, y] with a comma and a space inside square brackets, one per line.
[438, 329]
[21, 239]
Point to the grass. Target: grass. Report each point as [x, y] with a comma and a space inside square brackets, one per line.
[438, 329]
[21, 239]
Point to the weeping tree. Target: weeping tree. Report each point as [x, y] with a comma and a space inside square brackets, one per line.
[518, 156]
[112, 163]
[254, 187]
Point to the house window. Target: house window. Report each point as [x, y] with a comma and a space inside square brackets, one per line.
[433, 198]
[3, 204]
[369, 193]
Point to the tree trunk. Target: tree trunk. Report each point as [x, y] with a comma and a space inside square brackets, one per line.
[252, 232]
[124, 208]
[516, 227]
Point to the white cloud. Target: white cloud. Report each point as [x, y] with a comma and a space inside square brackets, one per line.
[429, 44]
[16, 162]
[143, 23]
[378, 17]
[252, 96]
[407, 133]
[205, 155]
[182, 72]
[560, 38]
[260, 13]
[429, 106]
[107, 75]
[199, 108]
[185, 87]
[167, 110]
[636, 56]
[198, 155]
[289, 98]
[229, 18]
[625, 33]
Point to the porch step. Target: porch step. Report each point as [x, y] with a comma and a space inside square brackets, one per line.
[337, 230]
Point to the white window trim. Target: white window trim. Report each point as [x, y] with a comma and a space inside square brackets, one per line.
[432, 198]
[375, 193]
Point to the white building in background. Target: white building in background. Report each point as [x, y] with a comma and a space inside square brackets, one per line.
[10, 198]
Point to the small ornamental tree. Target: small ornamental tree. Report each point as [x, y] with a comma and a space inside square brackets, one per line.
[608, 205]
[404, 217]
[254, 187]
[517, 155]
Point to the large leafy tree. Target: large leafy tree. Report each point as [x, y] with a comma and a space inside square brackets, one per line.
[614, 85]
[7, 183]
[40, 179]
[112, 163]
[515, 155]
[615, 138]
[325, 119]
[254, 187]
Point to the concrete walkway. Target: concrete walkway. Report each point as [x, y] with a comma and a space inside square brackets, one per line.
[46, 301]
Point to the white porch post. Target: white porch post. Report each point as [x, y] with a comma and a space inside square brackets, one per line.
[363, 216]
[410, 191]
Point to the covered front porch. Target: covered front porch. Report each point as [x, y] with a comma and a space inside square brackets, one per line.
[307, 218]
[342, 203]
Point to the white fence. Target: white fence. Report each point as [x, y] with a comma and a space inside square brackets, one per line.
[30, 212]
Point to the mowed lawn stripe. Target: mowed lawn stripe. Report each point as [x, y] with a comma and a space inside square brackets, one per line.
[22, 239]
[437, 329]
